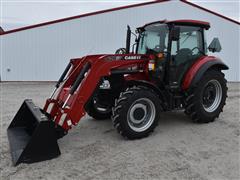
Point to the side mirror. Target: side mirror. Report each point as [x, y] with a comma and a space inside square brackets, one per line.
[215, 45]
[175, 33]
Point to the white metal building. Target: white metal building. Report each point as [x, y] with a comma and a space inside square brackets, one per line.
[41, 52]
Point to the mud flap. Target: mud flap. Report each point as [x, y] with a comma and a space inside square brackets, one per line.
[32, 136]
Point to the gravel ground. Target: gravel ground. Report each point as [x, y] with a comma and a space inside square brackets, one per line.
[178, 148]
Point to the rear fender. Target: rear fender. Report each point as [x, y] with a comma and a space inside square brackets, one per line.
[198, 69]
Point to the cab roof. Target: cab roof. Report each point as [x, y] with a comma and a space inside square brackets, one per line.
[187, 22]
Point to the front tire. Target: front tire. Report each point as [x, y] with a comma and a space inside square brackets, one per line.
[136, 112]
[206, 101]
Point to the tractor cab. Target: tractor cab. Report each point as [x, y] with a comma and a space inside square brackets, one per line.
[176, 45]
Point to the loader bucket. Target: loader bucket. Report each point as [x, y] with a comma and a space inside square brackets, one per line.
[32, 135]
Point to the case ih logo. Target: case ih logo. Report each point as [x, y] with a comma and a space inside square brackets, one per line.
[132, 57]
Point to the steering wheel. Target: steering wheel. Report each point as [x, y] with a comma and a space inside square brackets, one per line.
[120, 51]
[197, 49]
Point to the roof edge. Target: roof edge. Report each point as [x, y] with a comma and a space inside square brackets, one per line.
[82, 15]
[210, 11]
[204, 24]
[110, 10]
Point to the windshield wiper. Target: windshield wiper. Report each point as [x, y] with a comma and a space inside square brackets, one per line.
[186, 38]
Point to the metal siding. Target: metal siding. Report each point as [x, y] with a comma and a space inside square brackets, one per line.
[41, 54]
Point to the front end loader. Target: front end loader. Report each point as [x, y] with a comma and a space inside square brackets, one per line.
[33, 133]
[169, 69]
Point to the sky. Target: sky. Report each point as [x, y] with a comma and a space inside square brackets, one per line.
[19, 13]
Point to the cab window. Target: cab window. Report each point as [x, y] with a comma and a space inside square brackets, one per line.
[189, 46]
[153, 40]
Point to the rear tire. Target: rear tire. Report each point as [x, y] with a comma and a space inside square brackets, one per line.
[136, 112]
[206, 100]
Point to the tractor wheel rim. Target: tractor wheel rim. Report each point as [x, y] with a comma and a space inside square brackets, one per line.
[212, 96]
[141, 114]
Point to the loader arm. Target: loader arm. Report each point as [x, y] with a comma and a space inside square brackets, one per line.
[74, 93]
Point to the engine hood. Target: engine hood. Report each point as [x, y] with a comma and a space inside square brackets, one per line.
[113, 57]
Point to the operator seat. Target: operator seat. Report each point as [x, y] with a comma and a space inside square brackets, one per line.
[182, 56]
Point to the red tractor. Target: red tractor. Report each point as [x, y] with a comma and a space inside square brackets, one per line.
[166, 69]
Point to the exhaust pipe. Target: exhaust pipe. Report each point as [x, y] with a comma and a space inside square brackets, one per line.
[128, 40]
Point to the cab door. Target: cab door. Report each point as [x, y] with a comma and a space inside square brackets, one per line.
[184, 52]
